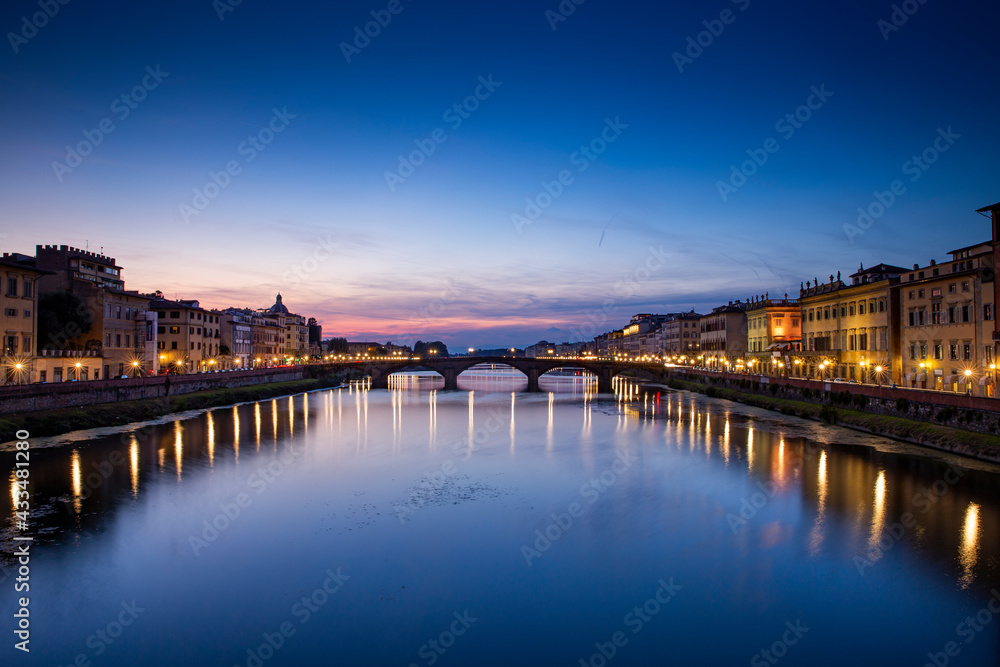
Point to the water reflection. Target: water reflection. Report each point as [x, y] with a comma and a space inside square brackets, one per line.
[969, 551]
[832, 500]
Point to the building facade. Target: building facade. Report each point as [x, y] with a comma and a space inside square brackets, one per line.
[774, 333]
[948, 320]
[723, 335]
[189, 336]
[851, 331]
[18, 320]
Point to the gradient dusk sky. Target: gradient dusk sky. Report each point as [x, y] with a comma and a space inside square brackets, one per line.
[439, 252]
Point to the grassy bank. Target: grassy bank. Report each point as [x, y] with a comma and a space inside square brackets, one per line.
[57, 422]
[946, 438]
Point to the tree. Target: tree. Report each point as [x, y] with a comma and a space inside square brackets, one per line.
[224, 350]
[337, 346]
[62, 316]
[430, 349]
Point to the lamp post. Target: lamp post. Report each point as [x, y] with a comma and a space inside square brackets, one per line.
[878, 376]
[968, 382]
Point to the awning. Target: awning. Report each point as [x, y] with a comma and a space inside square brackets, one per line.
[922, 377]
[984, 380]
[963, 378]
[910, 377]
[950, 379]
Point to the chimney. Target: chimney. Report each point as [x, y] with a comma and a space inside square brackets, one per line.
[933, 263]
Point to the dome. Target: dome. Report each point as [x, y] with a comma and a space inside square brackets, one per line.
[278, 308]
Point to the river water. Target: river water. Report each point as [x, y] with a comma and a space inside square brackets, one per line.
[489, 527]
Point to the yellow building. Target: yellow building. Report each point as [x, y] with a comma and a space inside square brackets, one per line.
[18, 319]
[851, 331]
[948, 322]
[774, 333]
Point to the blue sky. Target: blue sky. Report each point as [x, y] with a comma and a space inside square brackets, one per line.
[440, 252]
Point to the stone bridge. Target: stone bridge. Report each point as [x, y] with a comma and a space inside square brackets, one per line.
[451, 367]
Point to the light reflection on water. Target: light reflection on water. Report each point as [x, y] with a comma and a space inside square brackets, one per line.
[520, 460]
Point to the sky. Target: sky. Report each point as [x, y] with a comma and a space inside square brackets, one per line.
[492, 174]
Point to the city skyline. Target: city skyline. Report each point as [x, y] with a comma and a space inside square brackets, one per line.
[311, 147]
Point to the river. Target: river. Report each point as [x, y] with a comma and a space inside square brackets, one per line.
[490, 527]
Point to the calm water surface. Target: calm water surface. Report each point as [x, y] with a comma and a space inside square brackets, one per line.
[490, 527]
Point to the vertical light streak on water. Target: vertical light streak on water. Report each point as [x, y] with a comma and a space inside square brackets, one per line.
[968, 550]
[211, 439]
[178, 448]
[725, 442]
[256, 421]
[365, 401]
[750, 450]
[236, 434]
[708, 435]
[816, 536]
[512, 398]
[551, 428]
[305, 412]
[274, 422]
[878, 517]
[291, 418]
[472, 420]
[134, 460]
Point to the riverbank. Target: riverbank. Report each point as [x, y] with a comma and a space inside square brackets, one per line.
[975, 445]
[64, 420]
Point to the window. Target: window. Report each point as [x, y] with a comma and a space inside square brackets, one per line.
[910, 295]
[118, 340]
[57, 375]
[174, 314]
[173, 345]
[41, 376]
[27, 313]
[965, 313]
[936, 292]
[107, 310]
[107, 340]
[965, 286]
[923, 350]
[128, 312]
[175, 330]
[920, 317]
[953, 351]
[951, 314]
[920, 293]
[851, 310]
[938, 351]
[26, 341]
[826, 313]
[192, 346]
[863, 341]
[843, 311]
[161, 330]
[10, 345]
[10, 312]
[810, 316]
[881, 305]
[861, 308]
[127, 341]
[967, 352]
[935, 313]
[795, 322]
[27, 288]
[118, 312]
[951, 288]
[988, 312]
[913, 351]
[12, 287]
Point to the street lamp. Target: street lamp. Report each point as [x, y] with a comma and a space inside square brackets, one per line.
[968, 381]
